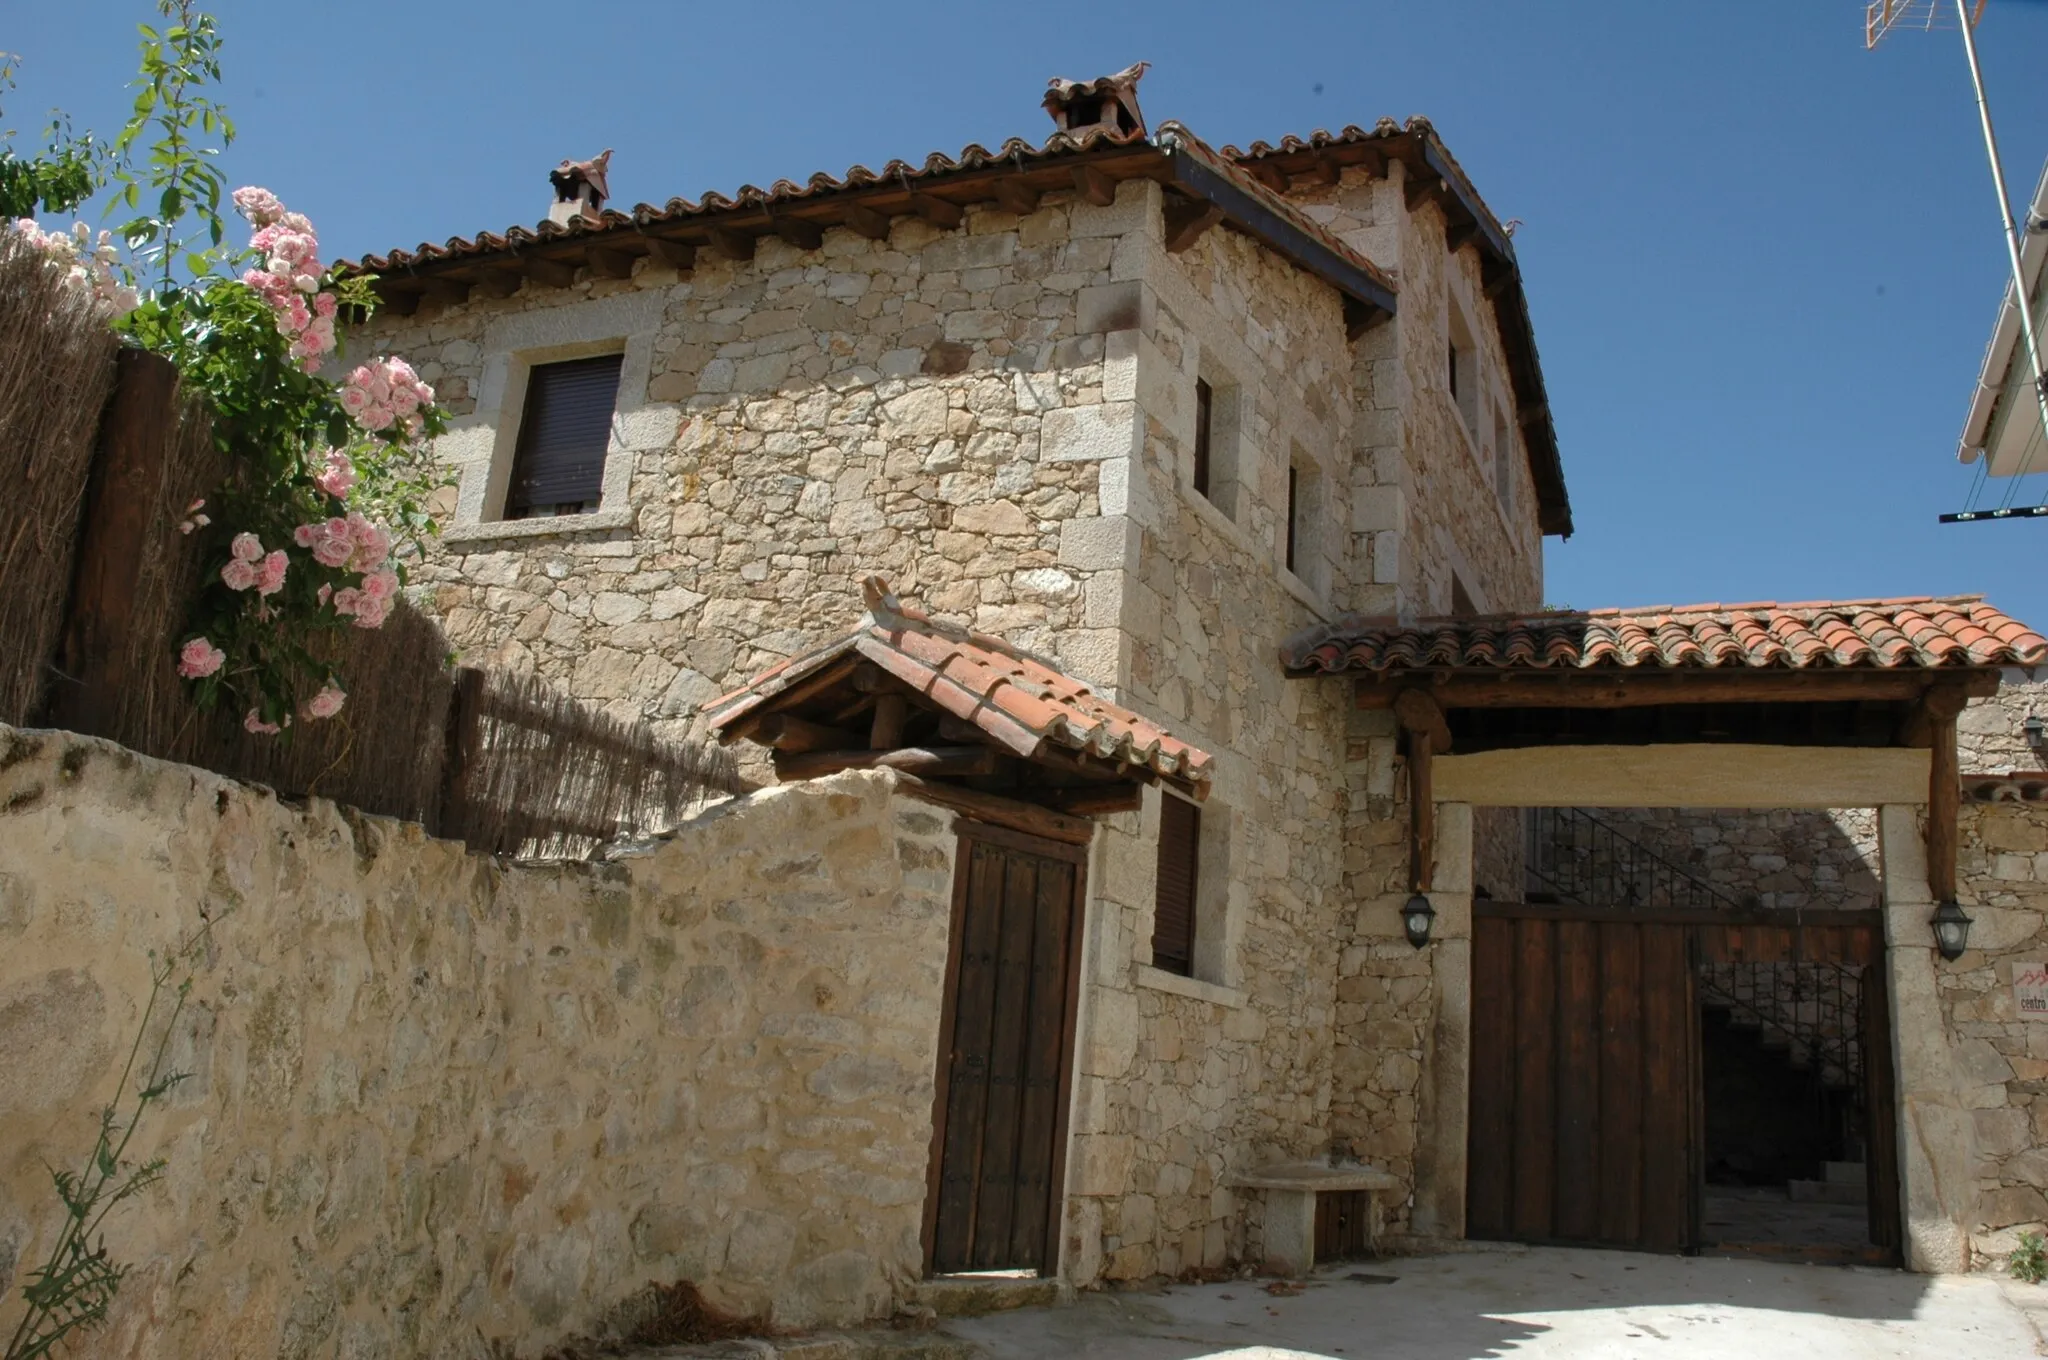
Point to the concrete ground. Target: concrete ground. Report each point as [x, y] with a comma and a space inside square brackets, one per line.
[1521, 1302]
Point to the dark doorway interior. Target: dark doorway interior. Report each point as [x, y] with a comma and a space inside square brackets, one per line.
[1785, 1131]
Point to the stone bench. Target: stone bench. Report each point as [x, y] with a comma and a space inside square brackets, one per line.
[1291, 1189]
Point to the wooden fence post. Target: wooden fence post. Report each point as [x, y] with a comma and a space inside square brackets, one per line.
[121, 495]
[459, 752]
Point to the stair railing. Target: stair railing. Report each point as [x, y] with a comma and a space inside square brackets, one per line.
[1579, 858]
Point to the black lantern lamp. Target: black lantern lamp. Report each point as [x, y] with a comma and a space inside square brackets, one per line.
[2036, 730]
[1951, 931]
[1417, 916]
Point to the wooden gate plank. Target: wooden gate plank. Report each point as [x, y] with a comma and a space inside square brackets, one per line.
[1490, 1141]
[1881, 1129]
[996, 1197]
[1535, 1161]
[1668, 1082]
[968, 1065]
[1040, 1097]
[1576, 1213]
[1621, 1082]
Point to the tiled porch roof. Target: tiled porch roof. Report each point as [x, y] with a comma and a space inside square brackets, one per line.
[1021, 703]
[1892, 634]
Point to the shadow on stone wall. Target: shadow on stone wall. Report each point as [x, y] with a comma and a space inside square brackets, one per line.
[1773, 858]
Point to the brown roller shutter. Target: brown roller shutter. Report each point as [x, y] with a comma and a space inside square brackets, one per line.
[559, 463]
[1173, 914]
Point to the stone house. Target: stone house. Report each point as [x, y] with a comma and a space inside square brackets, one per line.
[1248, 447]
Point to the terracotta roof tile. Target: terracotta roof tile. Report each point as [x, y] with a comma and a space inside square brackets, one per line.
[1020, 701]
[1893, 634]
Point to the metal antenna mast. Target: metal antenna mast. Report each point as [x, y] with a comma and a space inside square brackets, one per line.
[1880, 17]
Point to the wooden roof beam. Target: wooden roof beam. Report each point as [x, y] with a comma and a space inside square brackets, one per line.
[799, 232]
[737, 246]
[1607, 689]
[1186, 220]
[941, 213]
[606, 263]
[1094, 186]
[1015, 196]
[552, 273]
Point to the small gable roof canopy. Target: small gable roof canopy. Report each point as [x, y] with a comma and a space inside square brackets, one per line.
[1241, 190]
[978, 701]
[2004, 419]
[1819, 652]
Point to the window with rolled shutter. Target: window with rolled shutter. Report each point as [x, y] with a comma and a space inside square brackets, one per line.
[1173, 911]
[558, 466]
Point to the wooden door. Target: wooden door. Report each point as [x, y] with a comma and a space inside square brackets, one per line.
[1006, 1052]
[1584, 1082]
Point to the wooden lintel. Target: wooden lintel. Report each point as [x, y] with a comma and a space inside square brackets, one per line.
[799, 232]
[553, 273]
[867, 222]
[789, 733]
[733, 245]
[886, 730]
[1094, 186]
[1028, 818]
[1421, 814]
[954, 761]
[1419, 713]
[1015, 196]
[1607, 690]
[606, 263]
[678, 255]
[1186, 220]
[941, 213]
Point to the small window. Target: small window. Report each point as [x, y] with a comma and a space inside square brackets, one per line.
[558, 464]
[1463, 373]
[1451, 367]
[1178, 883]
[1293, 514]
[1205, 415]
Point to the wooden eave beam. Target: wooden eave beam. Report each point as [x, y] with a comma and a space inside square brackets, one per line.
[1186, 219]
[1421, 188]
[1608, 690]
[553, 273]
[737, 246]
[497, 282]
[1268, 174]
[803, 234]
[940, 212]
[678, 255]
[1094, 185]
[1015, 196]
[399, 299]
[608, 263]
[1360, 318]
[867, 222]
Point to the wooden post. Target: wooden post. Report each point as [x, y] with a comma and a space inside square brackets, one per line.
[891, 710]
[459, 751]
[1421, 813]
[120, 497]
[1944, 790]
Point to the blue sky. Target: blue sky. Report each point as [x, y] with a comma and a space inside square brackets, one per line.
[1762, 261]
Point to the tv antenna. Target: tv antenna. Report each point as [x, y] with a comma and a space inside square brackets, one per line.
[1882, 18]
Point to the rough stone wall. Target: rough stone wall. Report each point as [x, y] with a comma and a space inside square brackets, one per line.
[931, 407]
[1990, 735]
[1768, 857]
[2000, 1058]
[1185, 1081]
[444, 1106]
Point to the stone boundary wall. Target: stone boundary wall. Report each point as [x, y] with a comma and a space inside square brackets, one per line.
[443, 1105]
[2001, 1058]
[1778, 858]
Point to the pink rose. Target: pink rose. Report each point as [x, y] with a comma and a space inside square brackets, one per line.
[259, 205]
[381, 585]
[200, 658]
[270, 576]
[324, 305]
[348, 600]
[238, 575]
[252, 721]
[354, 400]
[306, 535]
[324, 594]
[370, 612]
[338, 478]
[375, 417]
[327, 702]
[246, 547]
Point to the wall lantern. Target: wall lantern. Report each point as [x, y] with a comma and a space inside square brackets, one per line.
[2036, 730]
[1951, 931]
[1416, 918]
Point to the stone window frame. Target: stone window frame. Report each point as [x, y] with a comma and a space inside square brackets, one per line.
[481, 450]
[1311, 576]
[1227, 443]
[1220, 905]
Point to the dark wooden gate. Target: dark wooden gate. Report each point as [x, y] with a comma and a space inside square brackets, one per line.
[1006, 1053]
[1586, 1112]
